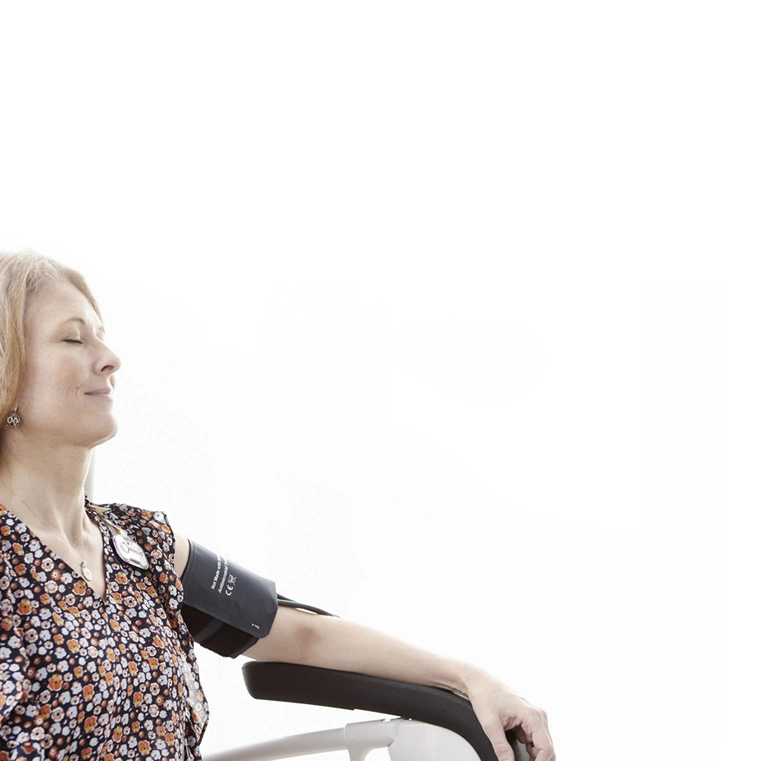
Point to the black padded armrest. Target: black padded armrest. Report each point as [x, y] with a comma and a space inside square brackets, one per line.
[342, 689]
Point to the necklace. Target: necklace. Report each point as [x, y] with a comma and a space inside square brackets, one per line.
[85, 572]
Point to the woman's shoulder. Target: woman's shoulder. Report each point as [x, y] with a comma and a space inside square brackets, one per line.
[149, 528]
[130, 513]
[151, 525]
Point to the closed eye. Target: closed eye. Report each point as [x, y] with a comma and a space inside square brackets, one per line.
[72, 341]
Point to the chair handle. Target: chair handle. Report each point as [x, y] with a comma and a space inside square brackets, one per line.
[343, 689]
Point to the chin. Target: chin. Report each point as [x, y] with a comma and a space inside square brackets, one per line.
[107, 436]
[100, 435]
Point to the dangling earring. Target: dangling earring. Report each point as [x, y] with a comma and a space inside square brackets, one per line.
[13, 420]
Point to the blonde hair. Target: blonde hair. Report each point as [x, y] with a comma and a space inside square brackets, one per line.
[22, 275]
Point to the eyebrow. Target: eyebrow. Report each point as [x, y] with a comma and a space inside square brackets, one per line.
[81, 321]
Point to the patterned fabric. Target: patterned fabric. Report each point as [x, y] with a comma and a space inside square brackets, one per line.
[83, 677]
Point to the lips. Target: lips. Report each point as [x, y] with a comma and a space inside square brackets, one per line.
[100, 392]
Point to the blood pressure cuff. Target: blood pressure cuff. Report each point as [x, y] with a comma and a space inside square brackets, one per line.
[226, 607]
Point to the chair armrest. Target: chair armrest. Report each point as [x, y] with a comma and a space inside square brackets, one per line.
[342, 689]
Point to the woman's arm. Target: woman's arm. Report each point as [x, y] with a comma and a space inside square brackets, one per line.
[334, 643]
[181, 554]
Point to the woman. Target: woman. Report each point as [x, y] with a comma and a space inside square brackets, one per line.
[96, 659]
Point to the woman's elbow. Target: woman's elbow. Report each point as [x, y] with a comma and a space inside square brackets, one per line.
[292, 638]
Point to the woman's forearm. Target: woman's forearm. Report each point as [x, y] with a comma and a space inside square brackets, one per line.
[347, 646]
[335, 643]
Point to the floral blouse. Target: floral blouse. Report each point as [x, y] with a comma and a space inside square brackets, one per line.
[83, 677]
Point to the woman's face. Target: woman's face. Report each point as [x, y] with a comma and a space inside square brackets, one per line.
[67, 392]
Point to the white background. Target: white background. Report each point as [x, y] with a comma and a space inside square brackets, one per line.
[445, 316]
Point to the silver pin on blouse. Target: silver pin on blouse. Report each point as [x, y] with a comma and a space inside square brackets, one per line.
[127, 549]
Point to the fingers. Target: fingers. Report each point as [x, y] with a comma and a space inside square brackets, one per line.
[500, 711]
[538, 748]
[498, 738]
[535, 730]
[532, 733]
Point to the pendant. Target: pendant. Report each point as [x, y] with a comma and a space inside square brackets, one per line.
[129, 551]
[85, 572]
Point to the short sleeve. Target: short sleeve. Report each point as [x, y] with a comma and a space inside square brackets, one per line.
[154, 534]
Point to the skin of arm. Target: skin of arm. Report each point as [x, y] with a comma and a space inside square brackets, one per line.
[333, 643]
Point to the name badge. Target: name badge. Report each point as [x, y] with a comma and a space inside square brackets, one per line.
[129, 551]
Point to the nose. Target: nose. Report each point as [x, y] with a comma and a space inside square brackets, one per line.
[109, 362]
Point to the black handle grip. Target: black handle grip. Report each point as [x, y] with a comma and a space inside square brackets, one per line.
[342, 689]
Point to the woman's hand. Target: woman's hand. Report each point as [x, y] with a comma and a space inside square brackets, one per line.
[500, 710]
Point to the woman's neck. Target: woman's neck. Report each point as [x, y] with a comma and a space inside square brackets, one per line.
[48, 489]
